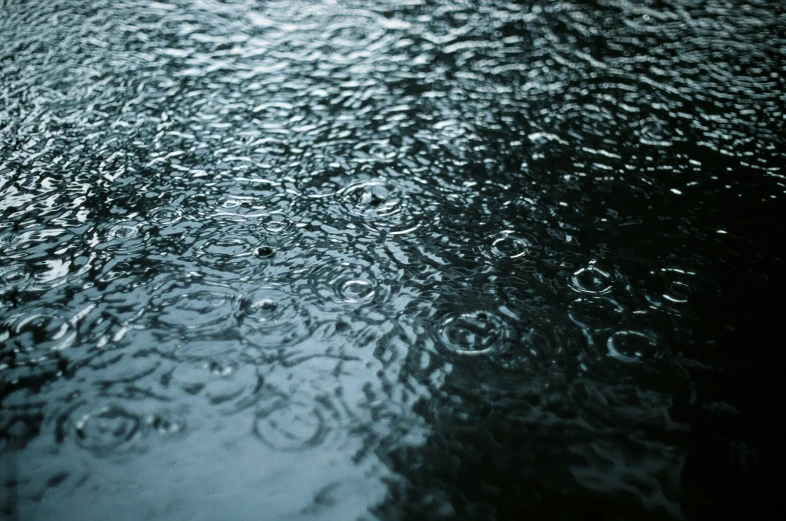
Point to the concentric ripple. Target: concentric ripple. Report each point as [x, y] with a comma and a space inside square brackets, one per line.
[508, 245]
[269, 316]
[372, 200]
[473, 333]
[631, 346]
[107, 430]
[291, 424]
[591, 280]
[36, 332]
[596, 313]
[347, 284]
[684, 285]
[196, 311]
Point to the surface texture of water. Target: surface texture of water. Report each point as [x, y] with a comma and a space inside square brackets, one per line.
[390, 260]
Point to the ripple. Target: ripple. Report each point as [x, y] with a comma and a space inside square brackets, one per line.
[37, 332]
[197, 311]
[165, 216]
[471, 334]
[683, 286]
[270, 317]
[507, 245]
[120, 237]
[248, 198]
[277, 224]
[14, 277]
[231, 250]
[347, 284]
[108, 430]
[372, 200]
[291, 425]
[631, 346]
[591, 280]
[595, 313]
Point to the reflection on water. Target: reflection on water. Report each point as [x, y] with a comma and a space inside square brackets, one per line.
[395, 260]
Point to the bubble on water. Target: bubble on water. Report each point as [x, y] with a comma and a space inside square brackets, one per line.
[631, 346]
[592, 280]
[108, 430]
[278, 224]
[264, 252]
[473, 333]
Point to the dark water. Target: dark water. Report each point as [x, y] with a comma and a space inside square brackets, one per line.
[465, 260]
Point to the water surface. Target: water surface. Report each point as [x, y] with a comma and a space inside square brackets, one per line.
[390, 260]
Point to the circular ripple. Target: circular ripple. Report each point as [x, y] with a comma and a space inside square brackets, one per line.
[107, 430]
[509, 246]
[251, 198]
[14, 278]
[347, 284]
[372, 200]
[683, 285]
[229, 249]
[474, 333]
[38, 331]
[271, 317]
[165, 216]
[291, 425]
[198, 311]
[356, 290]
[592, 280]
[595, 313]
[277, 223]
[122, 231]
[631, 346]
[121, 237]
